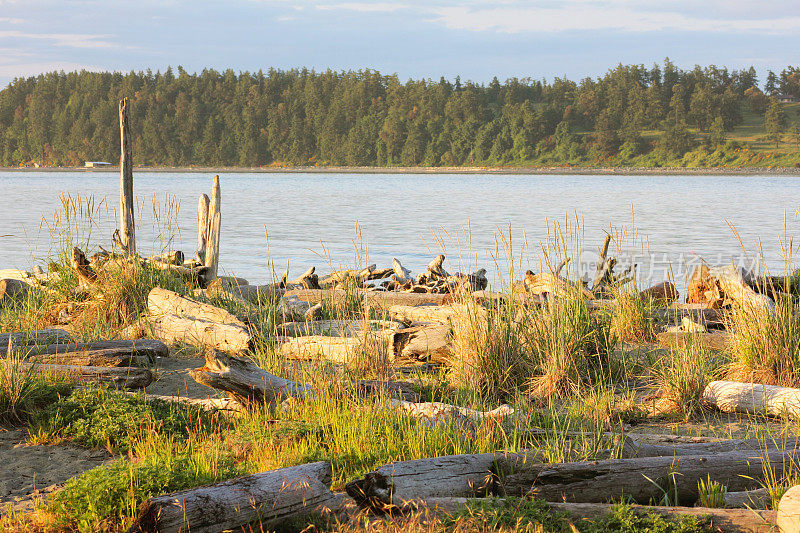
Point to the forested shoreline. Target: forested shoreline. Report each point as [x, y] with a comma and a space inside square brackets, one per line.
[631, 116]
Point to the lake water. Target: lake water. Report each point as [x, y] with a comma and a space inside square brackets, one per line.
[335, 220]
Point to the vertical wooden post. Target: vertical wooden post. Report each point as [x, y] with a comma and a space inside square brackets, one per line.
[126, 204]
[202, 228]
[212, 241]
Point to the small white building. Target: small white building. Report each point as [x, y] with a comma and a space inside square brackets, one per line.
[97, 164]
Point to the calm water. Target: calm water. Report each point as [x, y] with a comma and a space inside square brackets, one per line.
[316, 219]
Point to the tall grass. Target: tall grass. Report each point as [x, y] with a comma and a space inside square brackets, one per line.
[23, 390]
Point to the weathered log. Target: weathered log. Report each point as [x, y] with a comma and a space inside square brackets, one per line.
[34, 336]
[722, 520]
[333, 328]
[342, 277]
[97, 353]
[402, 481]
[246, 382]
[82, 267]
[267, 499]
[662, 292]
[446, 411]
[165, 302]
[307, 280]
[381, 300]
[127, 377]
[752, 499]
[292, 309]
[224, 337]
[698, 313]
[476, 281]
[631, 447]
[546, 283]
[207, 404]
[788, 516]
[643, 480]
[601, 276]
[127, 204]
[436, 269]
[190, 274]
[214, 226]
[171, 258]
[252, 293]
[202, 228]
[342, 350]
[724, 286]
[753, 398]
[429, 342]
[716, 340]
[13, 289]
[402, 274]
[443, 314]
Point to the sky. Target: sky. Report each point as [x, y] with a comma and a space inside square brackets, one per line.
[475, 39]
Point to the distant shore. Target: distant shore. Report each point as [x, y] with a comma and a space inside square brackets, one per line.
[621, 171]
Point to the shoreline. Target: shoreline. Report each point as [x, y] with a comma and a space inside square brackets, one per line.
[577, 171]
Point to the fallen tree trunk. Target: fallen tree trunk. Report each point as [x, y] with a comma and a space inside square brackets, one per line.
[752, 499]
[252, 293]
[788, 516]
[546, 283]
[208, 404]
[82, 267]
[631, 448]
[428, 342]
[376, 299]
[722, 520]
[661, 292]
[753, 398]
[98, 353]
[342, 350]
[443, 314]
[402, 481]
[641, 479]
[267, 499]
[224, 337]
[698, 313]
[165, 302]
[119, 377]
[34, 336]
[716, 340]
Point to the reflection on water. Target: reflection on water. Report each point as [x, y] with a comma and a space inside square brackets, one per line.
[341, 219]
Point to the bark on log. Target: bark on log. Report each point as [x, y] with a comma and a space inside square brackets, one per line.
[246, 382]
[214, 226]
[34, 336]
[267, 499]
[396, 483]
[127, 377]
[127, 204]
[722, 520]
[307, 280]
[641, 479]
[788, 516]
[165, 302]
[231, 338]
[202, 228]
[753, 398]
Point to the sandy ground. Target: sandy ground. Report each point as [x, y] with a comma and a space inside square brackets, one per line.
[30, 472]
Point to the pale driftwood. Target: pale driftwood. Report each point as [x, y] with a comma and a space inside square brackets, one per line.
[127, 377]
[251, 293]
[788, 516]
[165, 302]
[752, 499]
[640, 479]
[342, 277]
[429, 342]
[402, 274]
[443, 314]
[307, 280]
[396, 483]
[224, 337]
[724, 286]
[601, 276]
[246, 382]
[342, 350]
[267, 499]
[380, 300]
[292, 309]
[214, 225]
[753, 398]
[445, 410]
[333, 328]
[632, 447]
[207, 404]
[202, 228]
[191, 274]
[716, 340]
[82, 267]
[699, 313]
[34, 336]
[722, 520]
[174, 257]
[127, 205]
[548, 284]
[436, 268]
[228, 283]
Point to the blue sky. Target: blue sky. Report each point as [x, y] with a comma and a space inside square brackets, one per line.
[475, 39]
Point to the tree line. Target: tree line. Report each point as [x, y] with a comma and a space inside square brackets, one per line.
[365, 118]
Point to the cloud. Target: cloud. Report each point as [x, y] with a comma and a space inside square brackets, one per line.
[72, 40]
[9, 20]
[14, 70]
[619, 15]
[363, 7]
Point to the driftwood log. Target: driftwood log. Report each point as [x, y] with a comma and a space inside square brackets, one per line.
[13, 289]
[751, 499]
[34, 337]
[643, 480]
[380, 300]
[267, 499]
[224, 337]
[127, 204]
[213, 228]
[788, 516]
[424, 342]
[603, 276]
[202, 228]
[82, 267]
[661, 292]
[99, 353]
[546, 283]
[165, 302]
[120, 377]
[722, 520]
[716, 340]
[753, 398]
[723, 287]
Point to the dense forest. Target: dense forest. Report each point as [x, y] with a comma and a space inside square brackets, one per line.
[632, 115]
